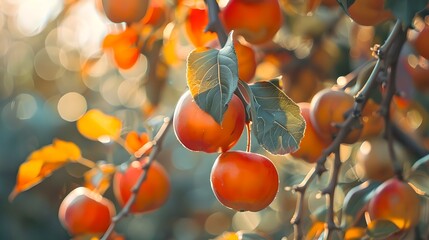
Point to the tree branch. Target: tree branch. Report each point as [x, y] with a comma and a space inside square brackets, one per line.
[157, 144]
[215, 25]
[345, 128]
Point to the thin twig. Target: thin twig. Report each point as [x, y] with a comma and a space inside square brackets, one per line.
[215, 25]
[329, 191]
[157, 145]
[392, 61]
[345, 128]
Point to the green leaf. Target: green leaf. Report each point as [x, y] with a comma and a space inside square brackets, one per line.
[212, 77]
[276, 120]
[345, 4]
[419, 175]
[405, 10]
[382, 229]
[356, 201]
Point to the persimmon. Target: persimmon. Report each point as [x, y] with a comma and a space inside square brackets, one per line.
[420, 43]
[128, 11]
[397, 202]
[244, 181]
[372, 121]
[369, 12]
[256, 20]
[328, 108]
[246, 61]
[195, 24]
[373, 157]
[312, 145]
[153, 192]
[83, 211]
[198, 131]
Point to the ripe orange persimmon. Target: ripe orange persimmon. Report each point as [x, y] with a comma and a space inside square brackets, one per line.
[421, 42]
[244, 181]
[312, 145]
[246, 61]
[397, 202]
[256, 20]
[329, 108]
[195, 25]
[198, 131]
[369, 12]
[152, 194]
[128, 11]
[85, 212]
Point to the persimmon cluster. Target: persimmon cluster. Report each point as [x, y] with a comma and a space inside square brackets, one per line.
[243, 181]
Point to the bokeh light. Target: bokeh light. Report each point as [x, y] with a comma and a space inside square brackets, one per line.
[72, 106]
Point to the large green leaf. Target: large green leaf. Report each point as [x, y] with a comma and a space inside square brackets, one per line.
[276, 120]
[405, 10]
[212, 78]
[381, 229]
[355, 202]
[420, 174]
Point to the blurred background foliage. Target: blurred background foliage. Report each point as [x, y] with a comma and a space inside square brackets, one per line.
[52, 70]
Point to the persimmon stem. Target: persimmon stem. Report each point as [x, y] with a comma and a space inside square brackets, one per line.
[157, 145]
[394, 41]
[249, 137]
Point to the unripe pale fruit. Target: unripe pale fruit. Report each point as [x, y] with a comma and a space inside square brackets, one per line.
[153, 192]
[198, 131]
[244, 181]
[85, 212]
[373, 157]
[397, 202]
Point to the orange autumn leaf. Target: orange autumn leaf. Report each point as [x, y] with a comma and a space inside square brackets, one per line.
[96, 125]
[98, 178]
[134, 141]
[355, 233]
[316, 229]
[42, 162]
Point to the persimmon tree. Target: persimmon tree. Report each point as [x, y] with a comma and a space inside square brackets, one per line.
[264, 69]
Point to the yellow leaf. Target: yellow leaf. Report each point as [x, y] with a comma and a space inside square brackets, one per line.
[98, 178]
[96, 125]
[355, 233]
[42, 162]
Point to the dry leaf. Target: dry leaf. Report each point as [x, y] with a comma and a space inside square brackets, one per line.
[42, 162]
[96, 125]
